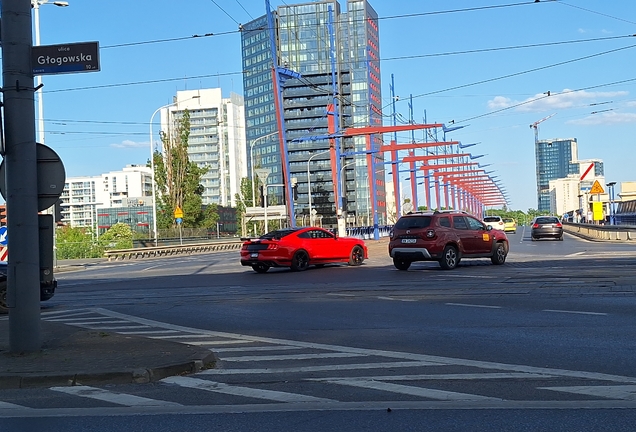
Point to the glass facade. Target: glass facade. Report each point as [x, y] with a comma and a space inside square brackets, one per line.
[138, 218]
[555, 159]
[303, 45]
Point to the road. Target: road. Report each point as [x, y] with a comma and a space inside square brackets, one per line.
[544, 342]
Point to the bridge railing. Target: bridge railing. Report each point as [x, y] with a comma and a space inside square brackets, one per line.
[163, 251]
[601, 232]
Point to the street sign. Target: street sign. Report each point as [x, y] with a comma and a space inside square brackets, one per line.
[51, 177]
[262, 174]
[596, 188]
[178, 213]
[179, 220]
[66, 58]
[3, 236]
[4, 253]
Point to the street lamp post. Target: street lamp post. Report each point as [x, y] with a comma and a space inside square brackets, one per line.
[252, 163]
[311, 215]
[35, 5]
[611, 185]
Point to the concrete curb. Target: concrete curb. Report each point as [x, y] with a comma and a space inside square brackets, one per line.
[203, 360]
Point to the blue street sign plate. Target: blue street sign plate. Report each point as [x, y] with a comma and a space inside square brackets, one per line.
[179, 220]
[3, 236]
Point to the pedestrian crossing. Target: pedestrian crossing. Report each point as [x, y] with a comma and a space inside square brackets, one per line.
[265, 373]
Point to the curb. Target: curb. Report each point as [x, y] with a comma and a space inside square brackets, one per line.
[203, 360]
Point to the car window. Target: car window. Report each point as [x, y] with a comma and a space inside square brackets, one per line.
[460, 223]
[492, 219]
[315, 234]
[474, 224]
[508, 220]
[445, 222]
[547, 220]
[413, 222]
[278, 234]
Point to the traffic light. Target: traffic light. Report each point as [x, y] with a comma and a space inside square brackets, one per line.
[58, 211]
[3, 216]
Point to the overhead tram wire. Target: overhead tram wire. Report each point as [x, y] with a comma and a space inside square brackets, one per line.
[225, 12]
[596, 13]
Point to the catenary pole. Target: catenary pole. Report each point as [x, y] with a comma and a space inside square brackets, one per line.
[23, 282]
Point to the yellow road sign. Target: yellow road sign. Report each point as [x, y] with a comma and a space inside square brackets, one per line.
[178, 213]
[597, 188]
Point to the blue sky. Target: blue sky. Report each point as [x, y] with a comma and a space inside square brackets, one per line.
[476, 67]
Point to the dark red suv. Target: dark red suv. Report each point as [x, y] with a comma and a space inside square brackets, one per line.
[446, 237]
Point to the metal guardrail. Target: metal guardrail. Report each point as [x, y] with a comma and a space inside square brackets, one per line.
[601, 232]
[163, 251]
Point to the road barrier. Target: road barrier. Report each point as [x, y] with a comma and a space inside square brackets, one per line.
[601, 232]
[163, 251]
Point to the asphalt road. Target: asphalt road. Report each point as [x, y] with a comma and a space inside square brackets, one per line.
[544, 342]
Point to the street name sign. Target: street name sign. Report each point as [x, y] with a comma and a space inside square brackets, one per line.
[66, 58]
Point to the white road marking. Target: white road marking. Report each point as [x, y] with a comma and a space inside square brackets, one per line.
[575, 254]
[325, 368]
[217, 342]
[468, 277]
[137, 332]
[119, 327]
[411, 390]
[217, 387]
[260, 348]
[573, 312]
[291, 357]
[341, 295]
[7, 405]
[182, 336]
[624, 392]
[116, 398]
[87, 320]
[473, 305]
[66, 313]
[445, 377]
[150, 268]
[395, 299]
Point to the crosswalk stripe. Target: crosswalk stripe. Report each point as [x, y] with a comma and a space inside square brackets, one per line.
[217, 387]
[217, 342]
[259, 348]
[413, 391]
[119, 327]
[289, 357]
[625, 392]
[116, 398]
[324, 368]
[445, 377]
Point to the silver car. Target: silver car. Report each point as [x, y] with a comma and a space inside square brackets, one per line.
[546, 226]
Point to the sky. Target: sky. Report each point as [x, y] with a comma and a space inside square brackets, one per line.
[487, 65]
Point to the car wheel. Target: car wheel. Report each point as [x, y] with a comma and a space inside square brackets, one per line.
[561, 238]
[401, 264]
[499, 256]
[300, 261]
[533, 238]
[356, 257]
[4, 307]
[260, 268]
[450, 258]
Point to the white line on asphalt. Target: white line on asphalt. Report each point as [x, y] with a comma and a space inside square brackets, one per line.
[137, 332]
[66, 313]
[260, 348]
[217, 342]
[574, 312]
[574, 254]
[474, 305]
[625, 392]
[150, 268]
[116, 398]
[182, 336]
[118, 327]
[444, 377]
[395, 299]
[290, 357]
[7, 405]
[326, 368]
[85, 320]
[341, 295]
[217, 387]
[411, 390]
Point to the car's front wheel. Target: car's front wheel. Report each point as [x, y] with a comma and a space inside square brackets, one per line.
[450, 258]
[499, 256]
[356, 257]
[260, 268]
[401, 264]
[300, 261]
[4, 307]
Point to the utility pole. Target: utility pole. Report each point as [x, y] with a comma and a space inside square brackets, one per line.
[23, 289]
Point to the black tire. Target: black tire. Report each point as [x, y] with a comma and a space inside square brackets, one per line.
[300, 261]
[561, 238]
[499, 255]
[356, 257]
[533, 239]
[4, 308]
[450, 258]
[260, 268]
[401, 264]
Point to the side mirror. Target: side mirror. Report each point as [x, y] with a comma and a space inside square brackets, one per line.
[489, 228]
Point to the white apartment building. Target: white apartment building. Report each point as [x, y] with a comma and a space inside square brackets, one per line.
[572, 192]
[82, 196]
[217, 140]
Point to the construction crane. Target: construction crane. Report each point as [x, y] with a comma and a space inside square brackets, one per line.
[535, 126]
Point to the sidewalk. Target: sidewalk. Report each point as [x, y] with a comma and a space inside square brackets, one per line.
[75, 356]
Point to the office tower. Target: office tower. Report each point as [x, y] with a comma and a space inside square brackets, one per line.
[303, 34]
[555, 159]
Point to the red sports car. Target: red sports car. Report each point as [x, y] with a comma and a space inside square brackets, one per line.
[299, 248]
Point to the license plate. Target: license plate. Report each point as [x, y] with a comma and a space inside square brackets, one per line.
[254, 255]
[409, 240]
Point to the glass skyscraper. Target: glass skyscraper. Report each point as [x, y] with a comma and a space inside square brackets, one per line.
[303, 35]
[555, 159]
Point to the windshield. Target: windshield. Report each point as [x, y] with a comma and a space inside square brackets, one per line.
[278, 234]
[413, 222]
[492, 219]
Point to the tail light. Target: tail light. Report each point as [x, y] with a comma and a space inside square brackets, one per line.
[558, 225]
[392, 235]
[535, 225]
[272, 246]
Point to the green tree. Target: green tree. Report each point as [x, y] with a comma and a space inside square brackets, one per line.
[119, 236]
[73, 243]
[178, 180]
